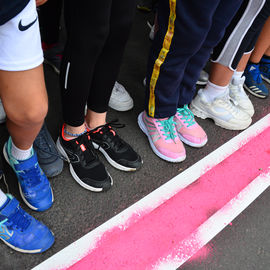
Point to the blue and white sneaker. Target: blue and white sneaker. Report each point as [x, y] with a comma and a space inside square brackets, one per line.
[21, 231]
[34, 186]
[265, 69]
[254, 83]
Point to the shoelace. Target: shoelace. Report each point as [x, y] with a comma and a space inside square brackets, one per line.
[17, 220]
[87, 148]
[31, 177]
[186, 115]
[168, 128]
[108, 133]
[229, 103]
[42, 145]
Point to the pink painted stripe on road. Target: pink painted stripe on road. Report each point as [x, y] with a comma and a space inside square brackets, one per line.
[91, 241]
[158, 234]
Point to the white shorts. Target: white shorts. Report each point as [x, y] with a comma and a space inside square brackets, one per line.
[20, 43]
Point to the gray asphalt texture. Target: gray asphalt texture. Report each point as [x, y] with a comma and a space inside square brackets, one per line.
[243, 246]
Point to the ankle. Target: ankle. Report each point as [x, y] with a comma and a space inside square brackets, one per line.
[20, 154]
[237, 75]
[71, 132]
[211, 90]
[94, 125]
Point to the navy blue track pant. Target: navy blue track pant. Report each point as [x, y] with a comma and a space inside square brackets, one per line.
[188, 30]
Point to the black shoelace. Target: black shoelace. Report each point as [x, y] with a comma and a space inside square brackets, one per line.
[109, 134]
[86, 147]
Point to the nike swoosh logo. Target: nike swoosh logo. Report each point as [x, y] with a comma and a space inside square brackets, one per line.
[25, 27]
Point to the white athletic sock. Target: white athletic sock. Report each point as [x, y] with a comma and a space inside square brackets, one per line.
[211, 91]
[237, 75]
[20, 154]
[3, 198]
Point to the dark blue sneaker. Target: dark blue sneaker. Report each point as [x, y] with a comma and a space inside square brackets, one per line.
[21, 231]
[48, 157]
[265, 69]
[254, 83]
[34, 186]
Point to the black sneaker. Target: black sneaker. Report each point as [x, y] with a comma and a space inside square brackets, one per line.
[48, 157]
[84, 164]
[118, 153]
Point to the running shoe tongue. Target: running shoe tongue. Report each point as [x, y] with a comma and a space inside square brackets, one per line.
[87, 148]
[19, 220]
[30, 176]
[168, 128]
[113, 137]
[15, 215]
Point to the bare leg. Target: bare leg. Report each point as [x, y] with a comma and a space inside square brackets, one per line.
[94, 119]
[267, 51]
[262, 44]
[25, 101]
[220, 75]
[243, 62]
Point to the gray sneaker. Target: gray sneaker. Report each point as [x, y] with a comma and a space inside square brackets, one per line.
[48, 157]
[2, 113]
[203, 79]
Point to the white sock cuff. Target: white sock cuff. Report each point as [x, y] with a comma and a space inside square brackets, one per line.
[3, 198]
[238, 74]
[210, 85]
[20, 154]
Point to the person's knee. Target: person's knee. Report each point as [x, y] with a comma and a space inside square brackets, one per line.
[29, 116]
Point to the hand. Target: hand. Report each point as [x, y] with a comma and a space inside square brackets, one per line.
[40, 2]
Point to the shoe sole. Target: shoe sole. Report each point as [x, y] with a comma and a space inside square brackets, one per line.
[252, 93]
[73, 173]
[266, 79]
[201, 83]
[224, 124]
[112, 162]
[25, 250]
[122, 107]
[184, 140]
[144, 129]
[20, 189]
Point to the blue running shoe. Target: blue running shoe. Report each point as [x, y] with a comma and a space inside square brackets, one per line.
[21, 231]
[254, 83]
[265, 69]
[34, 186]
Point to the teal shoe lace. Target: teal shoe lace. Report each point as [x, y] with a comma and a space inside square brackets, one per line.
[168, 128]
[186, 115]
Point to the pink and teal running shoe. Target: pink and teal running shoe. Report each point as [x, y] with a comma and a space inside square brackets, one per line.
[189, 131]
[162, 137]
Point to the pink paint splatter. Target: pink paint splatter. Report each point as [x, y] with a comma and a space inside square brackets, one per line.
[158, 234]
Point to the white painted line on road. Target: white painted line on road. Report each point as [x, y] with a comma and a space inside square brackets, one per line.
[80, 248]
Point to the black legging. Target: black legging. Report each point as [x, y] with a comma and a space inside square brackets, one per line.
[97, 32]
[49, 19]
